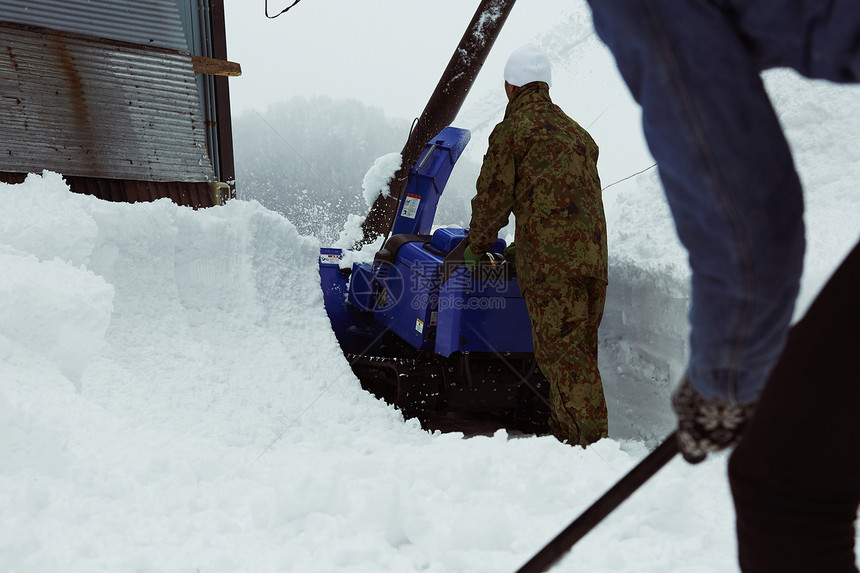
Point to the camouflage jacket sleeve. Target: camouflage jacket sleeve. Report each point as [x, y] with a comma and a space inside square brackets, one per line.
[496, 191]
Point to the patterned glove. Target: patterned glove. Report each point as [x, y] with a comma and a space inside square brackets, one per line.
[470, 259]
[707, 425]
[511, 254]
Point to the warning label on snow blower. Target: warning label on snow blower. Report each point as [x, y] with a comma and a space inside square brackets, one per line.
[329, 259]
[410, 205]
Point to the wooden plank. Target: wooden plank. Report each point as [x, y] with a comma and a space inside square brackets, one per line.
[215, 67]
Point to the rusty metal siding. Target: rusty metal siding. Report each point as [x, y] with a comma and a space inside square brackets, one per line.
[195, 195]
[80, 106]
[150, 23]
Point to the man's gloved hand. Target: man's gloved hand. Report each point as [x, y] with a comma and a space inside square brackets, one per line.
[707, 425]
[511, 254]
[470, 259]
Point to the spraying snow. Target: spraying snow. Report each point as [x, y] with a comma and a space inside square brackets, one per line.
[378, 177]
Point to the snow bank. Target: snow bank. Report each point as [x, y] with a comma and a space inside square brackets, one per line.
[643, 336]
[216, 425]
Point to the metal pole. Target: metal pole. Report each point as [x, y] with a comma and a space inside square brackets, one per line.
[564, 541]
[442, 107]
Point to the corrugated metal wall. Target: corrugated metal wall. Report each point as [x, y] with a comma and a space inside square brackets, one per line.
[128, 191]
[145, 22]
[80, 107]
[124, 107]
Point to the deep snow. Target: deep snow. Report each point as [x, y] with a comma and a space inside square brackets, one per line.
[172, 397]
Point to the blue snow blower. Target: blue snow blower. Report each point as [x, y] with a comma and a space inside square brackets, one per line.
[422, 331]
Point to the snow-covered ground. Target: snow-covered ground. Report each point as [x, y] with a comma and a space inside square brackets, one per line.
[172, 397]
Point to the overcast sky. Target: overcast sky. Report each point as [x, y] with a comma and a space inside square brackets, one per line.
[342, 48]
[391, 53]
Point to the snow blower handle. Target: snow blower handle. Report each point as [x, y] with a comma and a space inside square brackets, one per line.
[453, 261]
[564, 541]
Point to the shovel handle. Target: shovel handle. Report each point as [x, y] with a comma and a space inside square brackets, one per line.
[564, 541]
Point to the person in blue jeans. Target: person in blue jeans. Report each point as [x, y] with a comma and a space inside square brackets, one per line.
[737, 202]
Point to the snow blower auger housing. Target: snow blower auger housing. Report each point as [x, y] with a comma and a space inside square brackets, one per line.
[422, 331]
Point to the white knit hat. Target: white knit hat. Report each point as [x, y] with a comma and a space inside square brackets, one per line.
[528, 64]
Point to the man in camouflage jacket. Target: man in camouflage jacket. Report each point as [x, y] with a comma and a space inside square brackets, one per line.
[542, 167]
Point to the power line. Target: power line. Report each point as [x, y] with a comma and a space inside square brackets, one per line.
[266, 9]
[630, 176]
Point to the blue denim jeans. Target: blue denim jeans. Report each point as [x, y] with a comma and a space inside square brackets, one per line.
[726, 168]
